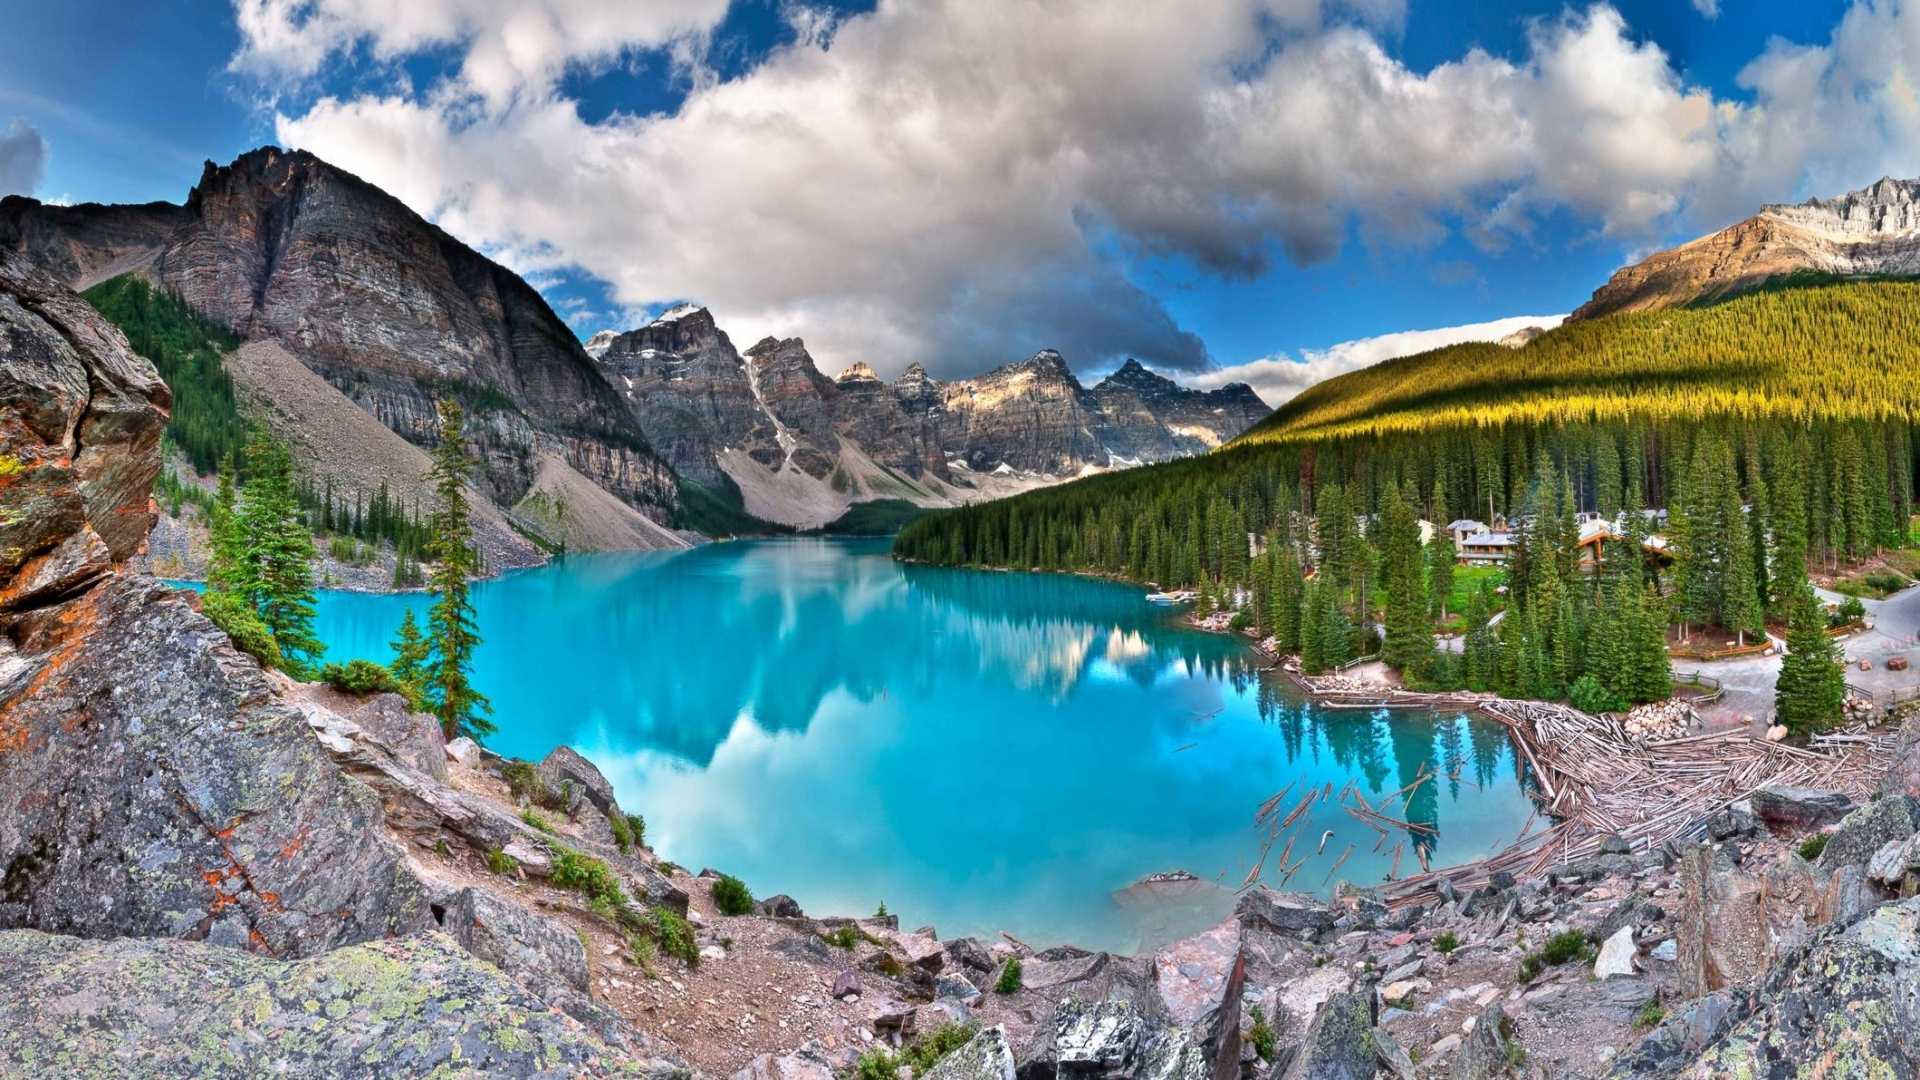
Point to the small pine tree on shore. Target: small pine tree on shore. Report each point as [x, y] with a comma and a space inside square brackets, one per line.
[452, 635]
[410, 655]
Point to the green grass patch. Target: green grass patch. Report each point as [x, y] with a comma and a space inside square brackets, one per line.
[1812, 846]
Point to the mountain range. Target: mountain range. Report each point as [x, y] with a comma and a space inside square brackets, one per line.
[801, 447]
[1867, 233]
[350, 302]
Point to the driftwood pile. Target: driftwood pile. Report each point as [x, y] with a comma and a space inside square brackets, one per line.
[1594, 780]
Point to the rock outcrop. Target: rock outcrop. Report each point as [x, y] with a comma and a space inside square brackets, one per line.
[391, 310]
[1867, 232]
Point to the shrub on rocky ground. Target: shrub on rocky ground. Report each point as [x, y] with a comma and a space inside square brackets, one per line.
[360, 677]
[587, 876]
[731, 896]
[674, 935]
[501, 863]
[1261, 1036]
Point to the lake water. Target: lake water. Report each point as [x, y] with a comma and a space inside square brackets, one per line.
[980, 751]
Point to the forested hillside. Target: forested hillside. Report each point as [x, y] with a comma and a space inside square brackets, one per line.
[1775, 431]
[1817, 351]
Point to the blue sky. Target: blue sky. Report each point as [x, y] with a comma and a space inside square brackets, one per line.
[878, 183]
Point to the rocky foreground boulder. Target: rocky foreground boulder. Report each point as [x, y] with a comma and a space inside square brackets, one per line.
[414, 1006]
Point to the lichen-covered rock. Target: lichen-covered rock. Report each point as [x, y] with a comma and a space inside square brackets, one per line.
[1339, 1042]
[1844, 1005]
[1865, 830]
[986, 1056]
[1687, 1030]
[154, 786]
[164, 1009]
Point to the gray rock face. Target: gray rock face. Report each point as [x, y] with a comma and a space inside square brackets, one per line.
[386, 306]
[986, 1056]
[82, 417]
[169, 1009]
[173, 796]
[564, 771]
[514, 939]
[1339, 1042]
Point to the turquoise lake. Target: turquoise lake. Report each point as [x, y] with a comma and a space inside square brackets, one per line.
[980, 751]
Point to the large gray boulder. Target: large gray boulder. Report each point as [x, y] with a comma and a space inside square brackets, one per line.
[1485, 1054]
[1798, 809]
[414, 737]
[1339, 1042]
[532, 948]
[163, 1009]
[1293, 914]
[572, 778]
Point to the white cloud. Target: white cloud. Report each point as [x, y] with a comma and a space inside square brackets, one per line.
[510, 49]
[947, 180]
[23, 158]
[1709, 8]
[1280, 377]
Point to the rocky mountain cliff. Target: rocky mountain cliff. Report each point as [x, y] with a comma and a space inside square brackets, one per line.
[801, 446]
[1875, 231]
[388, 308]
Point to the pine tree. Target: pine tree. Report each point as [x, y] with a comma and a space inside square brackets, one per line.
[1440, 557]
[275, 571]
[1811, 692]
[1409, 636]
[1314, 614]
[411, 653]
[451, 629]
